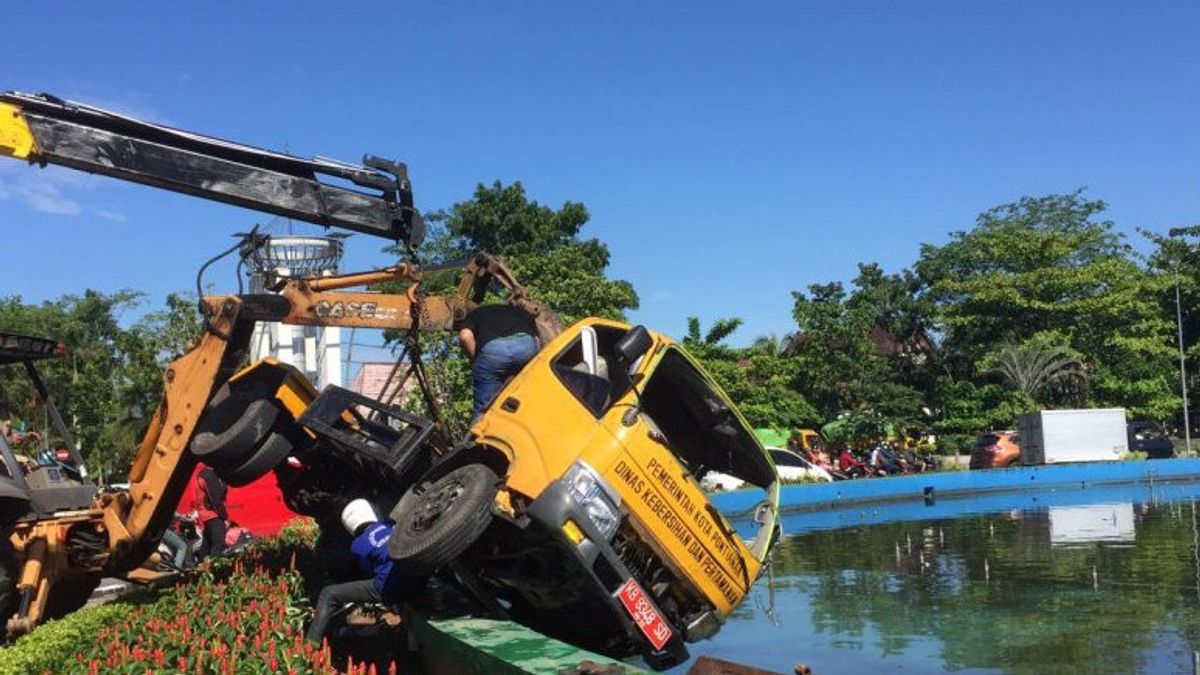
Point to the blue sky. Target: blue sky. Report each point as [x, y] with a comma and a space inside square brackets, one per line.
[729, 153]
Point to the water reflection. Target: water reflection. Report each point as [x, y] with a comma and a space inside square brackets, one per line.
[1105, 587]
[1071, 526]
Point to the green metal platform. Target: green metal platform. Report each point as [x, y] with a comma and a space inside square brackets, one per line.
[473, 645]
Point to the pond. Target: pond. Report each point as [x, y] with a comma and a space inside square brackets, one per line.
[1100, 580]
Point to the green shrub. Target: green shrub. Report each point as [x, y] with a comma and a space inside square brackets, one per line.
[243, 613]
[52, 646]
[955, 444]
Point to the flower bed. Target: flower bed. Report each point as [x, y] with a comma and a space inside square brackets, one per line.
[235, 615]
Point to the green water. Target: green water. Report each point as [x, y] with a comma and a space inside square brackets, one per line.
[1092, 588]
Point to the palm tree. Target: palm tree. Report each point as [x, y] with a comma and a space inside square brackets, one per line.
[1033, 368]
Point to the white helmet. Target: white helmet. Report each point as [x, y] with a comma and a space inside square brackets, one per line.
[357, 513]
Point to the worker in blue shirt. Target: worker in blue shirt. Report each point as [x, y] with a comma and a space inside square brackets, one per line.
[385, 580]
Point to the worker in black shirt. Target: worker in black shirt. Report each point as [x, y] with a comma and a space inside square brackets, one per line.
[499, 340]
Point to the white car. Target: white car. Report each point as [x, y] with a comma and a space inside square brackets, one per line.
[790, 465]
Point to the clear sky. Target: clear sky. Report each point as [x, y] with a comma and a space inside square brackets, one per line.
[729, 153]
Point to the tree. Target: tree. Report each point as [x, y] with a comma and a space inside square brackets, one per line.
[1051, 265]
[761, 382]
[544, 249]
[771, 344]
[1036, 366]
[1176, 260]
[844, 370]
[711, 344]
[111, 379]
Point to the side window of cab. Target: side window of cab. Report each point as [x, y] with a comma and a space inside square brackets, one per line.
[587, 368]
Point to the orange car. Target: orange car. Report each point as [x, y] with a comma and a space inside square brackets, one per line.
[996, 450]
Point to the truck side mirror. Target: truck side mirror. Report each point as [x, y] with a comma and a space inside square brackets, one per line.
[632, 345]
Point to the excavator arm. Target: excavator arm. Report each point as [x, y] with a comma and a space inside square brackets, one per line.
[44, 130]
[321, 301]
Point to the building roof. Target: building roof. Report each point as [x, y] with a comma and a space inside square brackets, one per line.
[372, 377]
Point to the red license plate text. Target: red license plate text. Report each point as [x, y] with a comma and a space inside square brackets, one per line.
[644, 614]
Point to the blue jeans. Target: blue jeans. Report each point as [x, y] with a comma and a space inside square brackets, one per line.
[499, 360]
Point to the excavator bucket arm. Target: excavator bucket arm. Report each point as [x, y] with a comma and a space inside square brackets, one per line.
[48, 130]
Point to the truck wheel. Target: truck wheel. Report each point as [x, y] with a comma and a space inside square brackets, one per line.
[272, 451]
[437, 520]
[229, 444]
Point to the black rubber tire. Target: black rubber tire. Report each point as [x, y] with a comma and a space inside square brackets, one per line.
[230, 444]
[439, 519]
[70, 594]
[266, 457]
[8, 583]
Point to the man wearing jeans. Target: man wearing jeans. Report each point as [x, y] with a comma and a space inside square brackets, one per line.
[499, 340]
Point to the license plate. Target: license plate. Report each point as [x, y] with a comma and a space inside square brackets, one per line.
[644, 614]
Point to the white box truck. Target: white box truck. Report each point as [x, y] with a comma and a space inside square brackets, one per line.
[1091, 435]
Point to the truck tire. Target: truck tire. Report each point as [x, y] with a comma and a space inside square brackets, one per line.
[437, 520]
[266, 457]
[231, 443]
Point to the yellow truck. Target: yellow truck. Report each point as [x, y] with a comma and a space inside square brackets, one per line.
[577, 503]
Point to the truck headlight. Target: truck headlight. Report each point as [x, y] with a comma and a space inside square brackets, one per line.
[600, 502]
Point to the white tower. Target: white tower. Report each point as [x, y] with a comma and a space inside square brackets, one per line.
[315, 351]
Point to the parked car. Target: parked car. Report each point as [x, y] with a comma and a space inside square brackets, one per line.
[1148, 437]
[996, 450]
[790, 465]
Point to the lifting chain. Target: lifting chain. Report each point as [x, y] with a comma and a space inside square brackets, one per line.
[411, 352]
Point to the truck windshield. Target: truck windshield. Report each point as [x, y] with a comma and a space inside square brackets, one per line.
[699, 425]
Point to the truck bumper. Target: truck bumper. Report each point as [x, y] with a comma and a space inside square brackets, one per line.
[605, 574]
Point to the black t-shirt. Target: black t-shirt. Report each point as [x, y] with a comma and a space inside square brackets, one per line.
[489, 322]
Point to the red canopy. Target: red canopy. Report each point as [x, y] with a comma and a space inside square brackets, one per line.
[258, 507]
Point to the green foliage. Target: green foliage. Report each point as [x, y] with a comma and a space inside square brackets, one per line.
[1176, 261]
[838, 351]
[760, 379]
[51, 647]
[963, 407]
[543, 247]
[243, 613]
[111, 380]
[1037, 366]
[1040, 304]
[1049, 265]
[857, 427]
